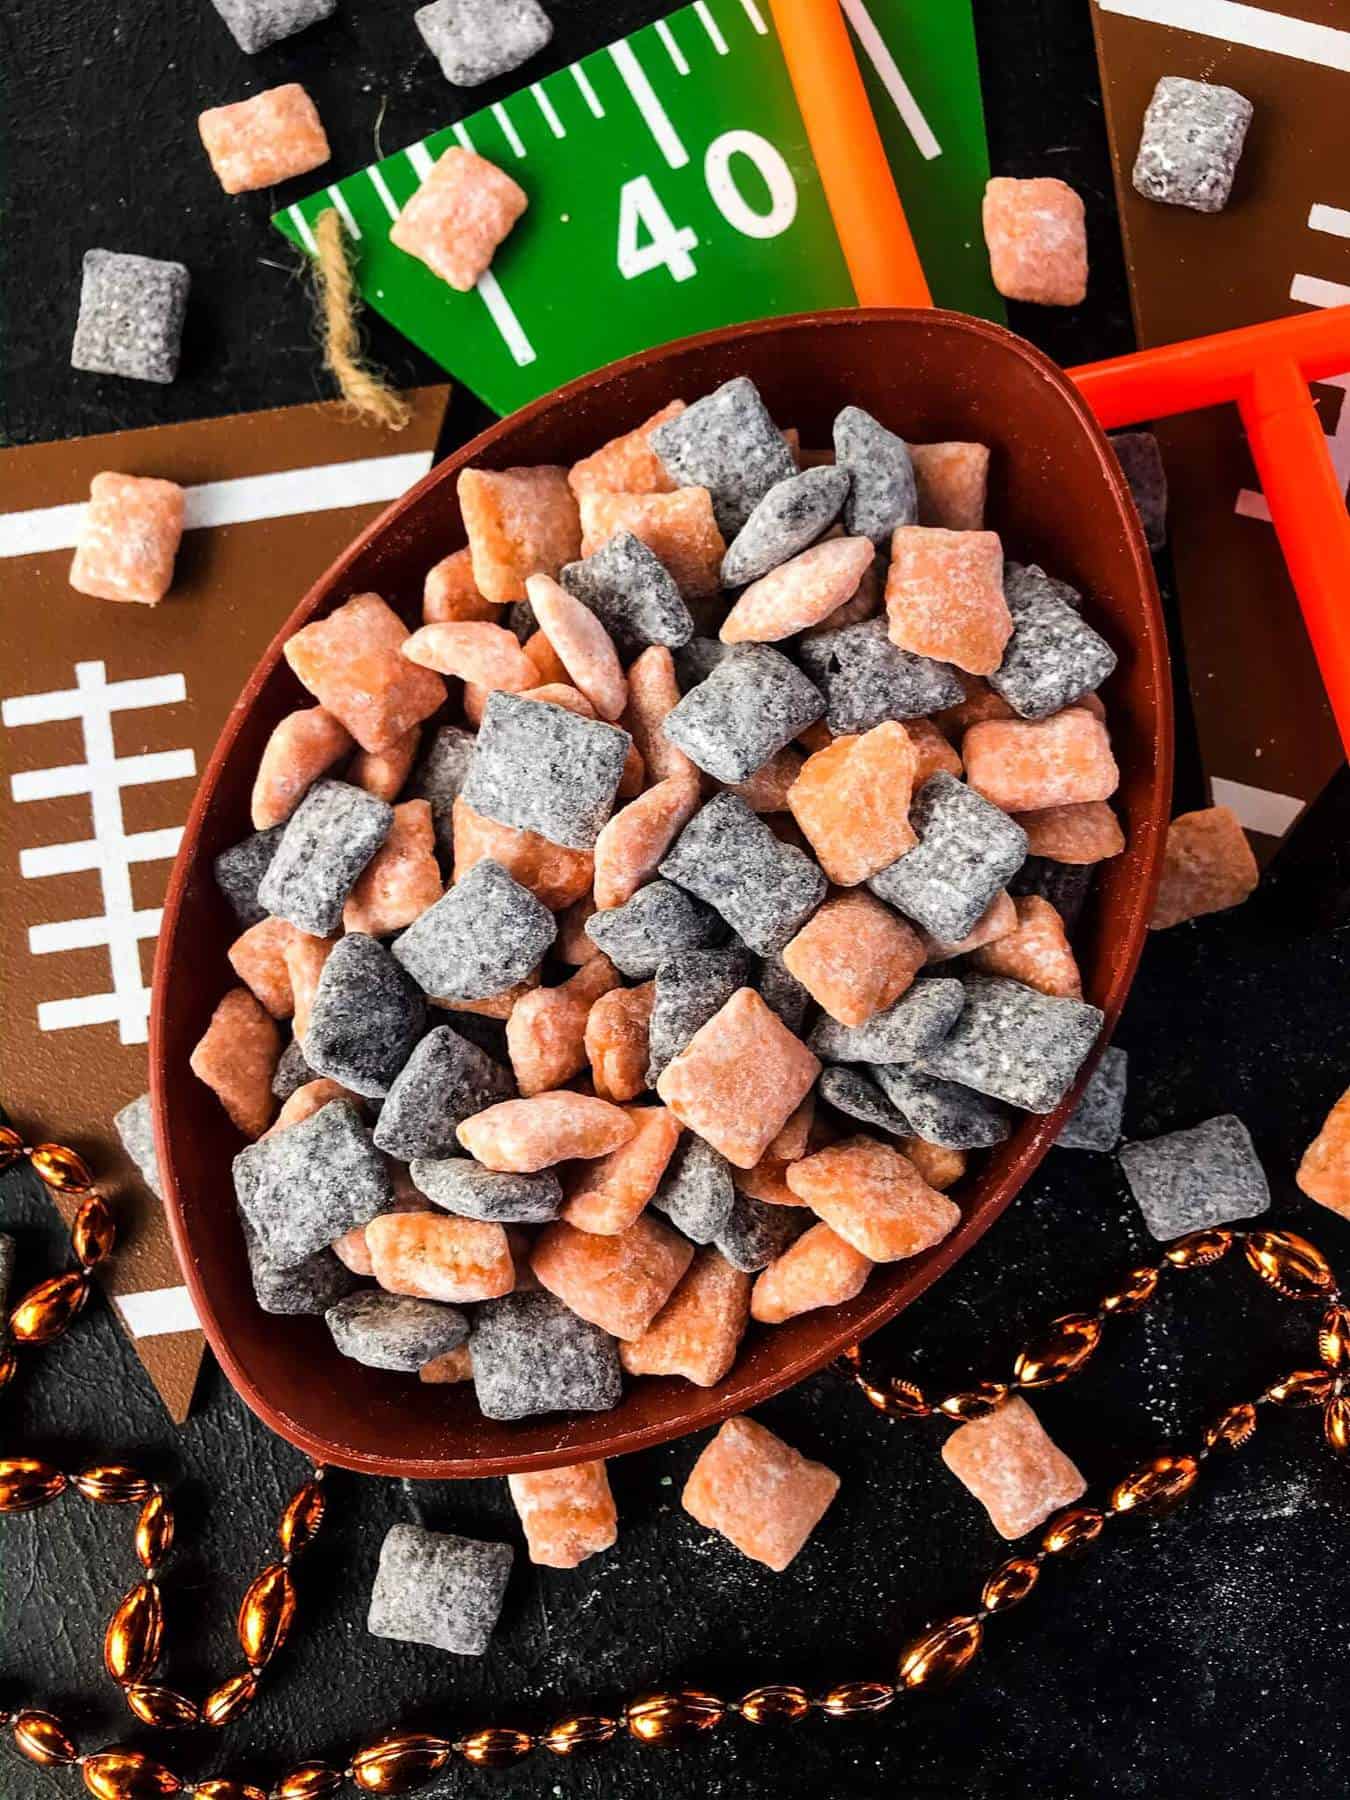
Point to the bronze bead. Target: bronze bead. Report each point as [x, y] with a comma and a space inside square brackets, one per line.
[1198, 1249]
[128, 1775]
[1288, 1263]
[776, 1703]
[266, 1614]
[1135, 1289]
[9, 1365]
[1060, 1350]
[154, 1531]
[664, 1718]
[850, 1698]
[1156, 1486]
[1233, 1428]
[975, 1403]
[1010, 1584]
[906, 1400]
[495, 1747]
[11, 1147]
[1333, 1339]
[309, 1781]
[42, 1738]
[25, 1483]
[64, 1170]
[1072, 1530]
[300, 1522]
[231, 1700]
[228, 1790]
[162, 1707]
[94, 1232]
[1336, 1424]
[113, 1484]
[1302, 1387]
[941, 1653]
[397, 1765]
[135, 1635]
[583, 1731]
[46, 1310]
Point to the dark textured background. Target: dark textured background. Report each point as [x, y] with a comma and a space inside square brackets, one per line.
[1200, 1655]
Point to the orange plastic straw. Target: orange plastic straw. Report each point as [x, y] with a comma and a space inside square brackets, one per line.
[869, 220]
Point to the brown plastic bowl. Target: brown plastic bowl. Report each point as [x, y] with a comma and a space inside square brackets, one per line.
[1058, 498]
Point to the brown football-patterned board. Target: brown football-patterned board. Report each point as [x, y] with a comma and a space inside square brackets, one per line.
[107, 714]
[1282, 244]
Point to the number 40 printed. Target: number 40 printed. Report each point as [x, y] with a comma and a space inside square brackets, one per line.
[650, 239]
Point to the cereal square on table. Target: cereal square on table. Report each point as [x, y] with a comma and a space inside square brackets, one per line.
[1208, 866]
[866, 679]
[749, 707]
[1189, 1180]
[1191, 143]
[129, 537]
[531, 1354]
[438, 1589]
[944, 596]
[967, 851]
[269, 138]
[758, 1492]
[131, 316]
[476, 40]
[254, 24]
[352, 663]
[566, 1514]
[520, 522]
[1036, 235]
[459, 215]
[1324, 1172]
[854, 956]
[542, 768]
[1014, 1044]
[726, 442]
[765, 890]
[1013, 1468]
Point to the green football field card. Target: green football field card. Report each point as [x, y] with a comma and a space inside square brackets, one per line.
[671, 190]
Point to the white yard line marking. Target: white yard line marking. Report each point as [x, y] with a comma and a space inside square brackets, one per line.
[504, 318]
[1257, 808]
[673, 50]
[634, 78]
[755, 16]
[301, 224]
[1313, 291]
[710, 25]
[509, 131]
[72, 859]
[462, 135]
[98, 1009]
[879, 55]
[90, 934]
[421, 159]
[120, 696]
[157, 1311]
[345, 212]
[549, 110]
[588, 93]
[1251, 503]
[1236, 23]
[381, 187]
[1332, 219]
[80, 778]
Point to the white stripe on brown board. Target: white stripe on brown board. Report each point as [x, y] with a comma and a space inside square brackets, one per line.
[157, 1311]
[1256, 27]
[1258, 809]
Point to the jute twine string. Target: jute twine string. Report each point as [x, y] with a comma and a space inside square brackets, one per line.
[364, 388]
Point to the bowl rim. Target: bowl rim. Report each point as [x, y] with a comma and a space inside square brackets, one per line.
[705, 1406]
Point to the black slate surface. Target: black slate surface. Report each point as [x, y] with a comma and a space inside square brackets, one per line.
[1197, 1656]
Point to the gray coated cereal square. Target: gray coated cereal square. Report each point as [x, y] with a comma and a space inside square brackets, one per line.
[476, 40]
[727, 443]
[257, 23]
[903, 1032]
[531, 1354]
[311, 1286]
[882, 492]
[697, 1192]
[781, 992]
[1094, 1124]
[131, 316]
[541, 768]
[696, 660]
[438, 1589]
[1190, 1180]
[1015, 1044]
[393, 1331]
[690, 987]
[292, 1072]
[632, 593]
[790, 517]
[1053, 658]
[660, 921]
[943, 1112]
[135, 1125]
[8, 1256]
[1065, 885]
[438, 779]
[445, 1081]
[757, 1233]
[867, 679]
[328, 840]
[366, 1017]
[462, 1187]
[749, 707]
[851, 1092]
[1140, 459]
[765, 890]
[1024, 583]
[968, 849]
[240, 869]
[1191, 143]
[482, 936]
[309, 1184]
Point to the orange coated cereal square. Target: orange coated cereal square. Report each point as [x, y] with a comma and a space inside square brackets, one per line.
[566, 1514]
[874, 1197]
[1035, 952]
[237, 1058]
[401, 880]
[739, 1079]
[458, 217]
[258, 142]
[697, 1332]
[1086, 832]
[1036, 236]
[1324, 1173]
[521, 522]
[129, 538]
[352, 663]
[627, 464]
[258, 958]
[852, 801]
[1013, 1468]
[679, 528]
[1208, 866]
[855, 956]
[450, 593]
[619, 1283]
[952, 480]
[607, 1194]
[1024, 764]
[758, 1492]
[819, 1269]
[944, 596]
